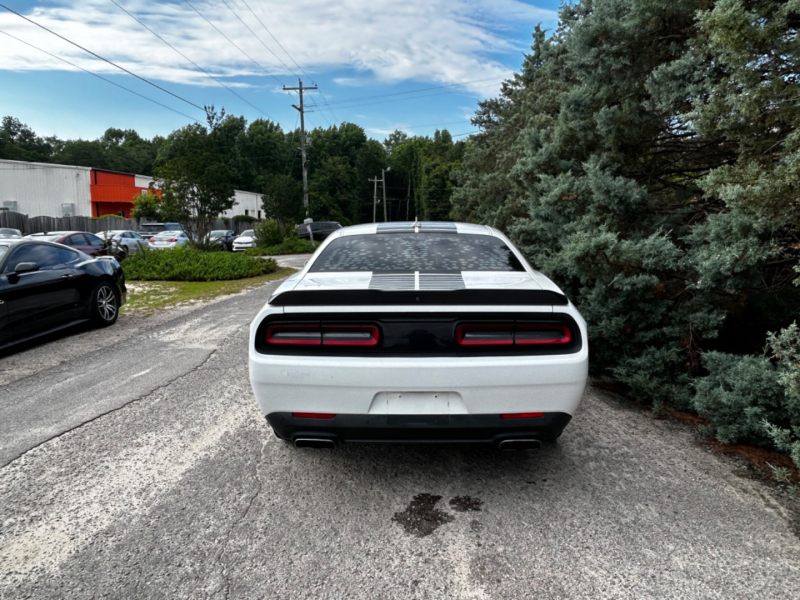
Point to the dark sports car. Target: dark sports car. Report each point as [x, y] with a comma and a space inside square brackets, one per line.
[45, 287]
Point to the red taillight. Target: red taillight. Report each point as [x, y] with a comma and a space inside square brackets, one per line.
[485, 335]
[325, 335]
[349, 335]
[507, 334]
[172, 240]
[305, 415]
[294, 335]
[533, 333]
[522, 415]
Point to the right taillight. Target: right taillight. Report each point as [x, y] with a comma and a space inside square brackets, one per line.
[512, 334]
[530, 334]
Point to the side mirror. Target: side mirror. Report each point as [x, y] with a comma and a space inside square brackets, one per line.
[26, 267]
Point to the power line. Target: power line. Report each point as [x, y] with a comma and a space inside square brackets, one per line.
[189, 59]
[147, 81]
[259, 39]
[414, 91]
[277, 42]
[397, 100]
[254, 61]
[100, 77]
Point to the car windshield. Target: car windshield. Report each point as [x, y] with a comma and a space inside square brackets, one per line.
[168, 234]
[248, 233]
[217, 234]
[408, 252]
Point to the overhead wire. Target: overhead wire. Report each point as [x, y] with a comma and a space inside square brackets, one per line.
[122, 8]
[436, 87]
[255, 35]
[254, 61]
[121, 68]
[64, 60]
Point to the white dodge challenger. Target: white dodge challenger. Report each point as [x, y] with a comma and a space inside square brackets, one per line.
[418, 332]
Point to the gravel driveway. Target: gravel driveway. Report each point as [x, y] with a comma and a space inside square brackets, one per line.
[135, 463]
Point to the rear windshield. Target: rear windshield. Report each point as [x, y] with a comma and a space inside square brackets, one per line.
[406, 252]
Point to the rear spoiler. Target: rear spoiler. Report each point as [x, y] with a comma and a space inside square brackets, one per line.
[373, 297]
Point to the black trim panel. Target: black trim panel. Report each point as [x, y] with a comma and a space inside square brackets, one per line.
[463, 297]
[419, 428]
[418, 334]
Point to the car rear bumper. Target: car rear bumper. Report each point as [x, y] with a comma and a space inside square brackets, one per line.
[385, 386]
[491, 429]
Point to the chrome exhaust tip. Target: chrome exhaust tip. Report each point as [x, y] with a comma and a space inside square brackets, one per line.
[314, 443]
[519, 444]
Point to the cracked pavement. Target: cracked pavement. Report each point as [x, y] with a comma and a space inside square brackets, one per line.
[137, 465]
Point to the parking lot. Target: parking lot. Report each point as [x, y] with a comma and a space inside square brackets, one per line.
[135, 463]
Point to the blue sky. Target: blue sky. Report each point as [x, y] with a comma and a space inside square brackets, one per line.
[354, 50]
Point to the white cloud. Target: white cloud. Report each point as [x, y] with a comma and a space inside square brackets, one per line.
[442, 41]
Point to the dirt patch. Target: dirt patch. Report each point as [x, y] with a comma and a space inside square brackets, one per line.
[422, 518]
[759, 459]
[465, 503]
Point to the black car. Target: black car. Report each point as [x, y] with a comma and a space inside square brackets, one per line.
[320, 229]
[46, 286]
[223, 237]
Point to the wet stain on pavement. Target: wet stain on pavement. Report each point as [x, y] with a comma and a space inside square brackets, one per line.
[422, 518]
[465, 503]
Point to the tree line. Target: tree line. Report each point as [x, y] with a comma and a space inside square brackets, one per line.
[647, 157]
[228, 153]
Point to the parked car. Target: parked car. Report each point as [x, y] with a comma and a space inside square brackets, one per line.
[246, 240]
[127, 242]
[80, 240]
[45, 287]
[168, 239]
[8, 232]
[419, 332]
[223, 237]
[320, 229]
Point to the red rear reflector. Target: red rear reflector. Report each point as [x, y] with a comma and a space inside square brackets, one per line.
[522, 415]
[313, 415]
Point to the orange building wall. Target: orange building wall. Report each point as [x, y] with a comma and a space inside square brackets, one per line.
[113, 192]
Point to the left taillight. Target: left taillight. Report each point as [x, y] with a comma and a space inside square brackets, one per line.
[322, 335]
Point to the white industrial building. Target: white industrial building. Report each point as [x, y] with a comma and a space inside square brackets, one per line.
[48, 190]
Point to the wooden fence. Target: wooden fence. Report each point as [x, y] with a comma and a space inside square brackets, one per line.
[29, 225]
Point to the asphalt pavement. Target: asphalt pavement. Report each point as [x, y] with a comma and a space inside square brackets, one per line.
[136, 464]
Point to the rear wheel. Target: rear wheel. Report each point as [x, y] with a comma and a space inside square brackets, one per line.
[105, 305]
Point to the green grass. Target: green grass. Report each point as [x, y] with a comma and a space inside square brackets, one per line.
[147, 297]
[190, 264]
[287, 246]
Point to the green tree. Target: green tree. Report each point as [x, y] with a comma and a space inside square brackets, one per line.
[194, 175]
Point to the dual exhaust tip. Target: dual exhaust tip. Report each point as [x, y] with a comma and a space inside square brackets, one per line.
[512, 444]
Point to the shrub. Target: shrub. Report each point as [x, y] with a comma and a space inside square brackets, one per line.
[190, 264]
[243, 219]
[272, 232]
[288, 246]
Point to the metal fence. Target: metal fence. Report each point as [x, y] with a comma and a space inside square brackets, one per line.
[29, 225]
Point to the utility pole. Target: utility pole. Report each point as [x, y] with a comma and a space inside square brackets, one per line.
[383, 180]
[302, 136]
[374, 200]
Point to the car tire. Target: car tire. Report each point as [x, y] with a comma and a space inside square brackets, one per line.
[104, 305]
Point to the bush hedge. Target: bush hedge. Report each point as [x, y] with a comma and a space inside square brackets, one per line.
[189, 264]
[272, 232]
[288, 246]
